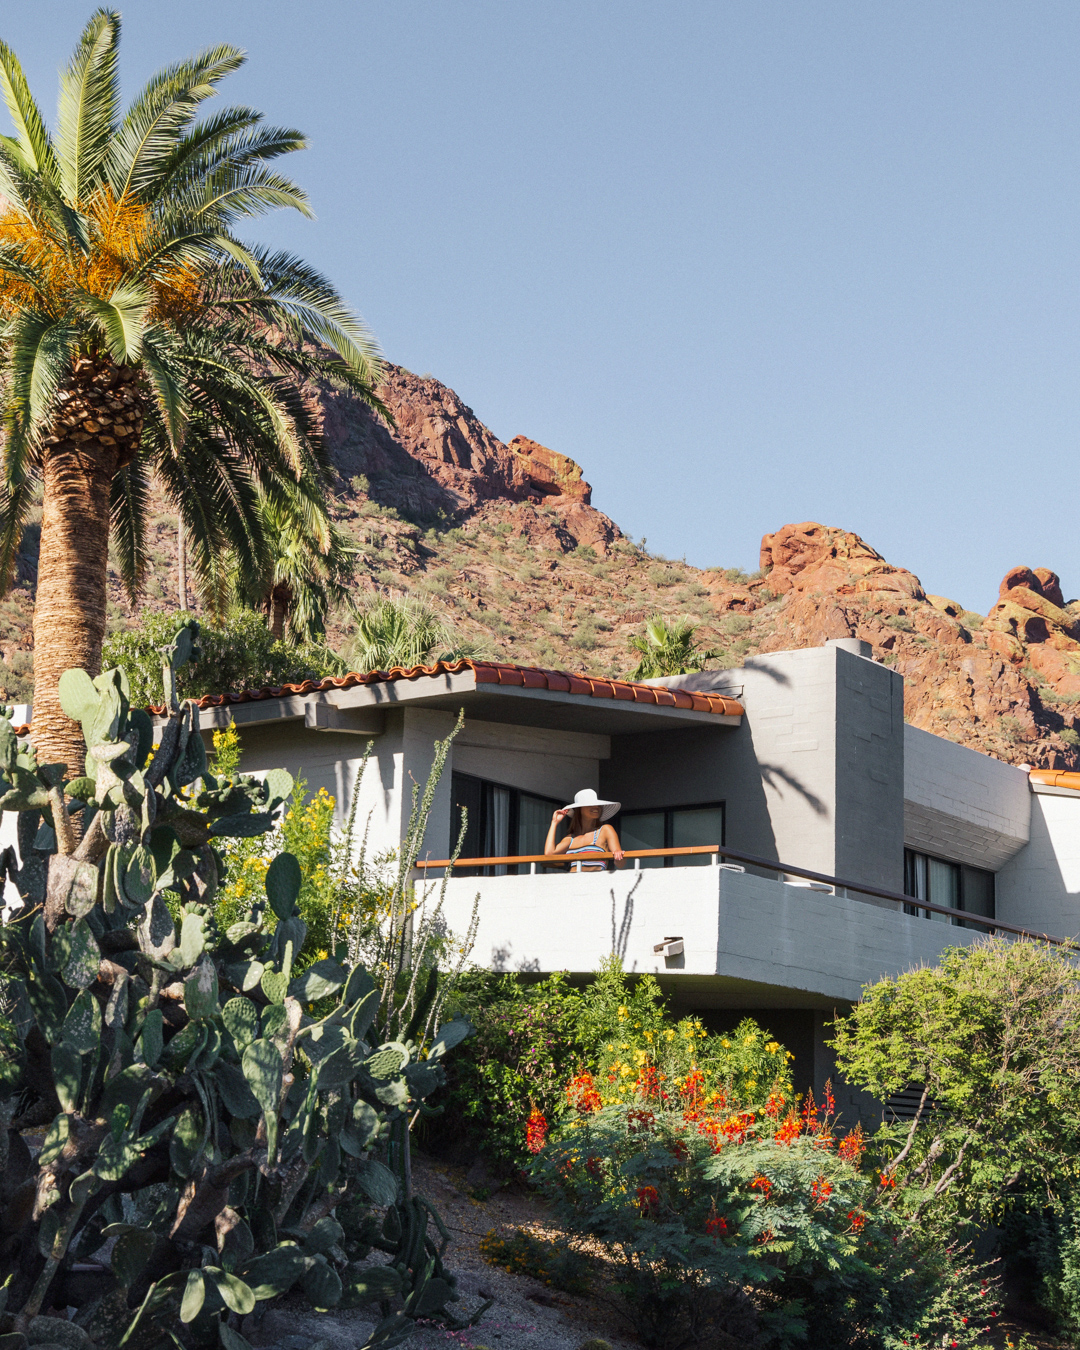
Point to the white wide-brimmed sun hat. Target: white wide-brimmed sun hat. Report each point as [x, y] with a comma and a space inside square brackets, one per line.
[587, 797]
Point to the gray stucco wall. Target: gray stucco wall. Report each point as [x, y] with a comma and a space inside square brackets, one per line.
[813, 777]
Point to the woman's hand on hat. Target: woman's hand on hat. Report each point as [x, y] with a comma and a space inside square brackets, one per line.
[558, 815]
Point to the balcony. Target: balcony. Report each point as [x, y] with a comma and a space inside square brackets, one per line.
[714, 935]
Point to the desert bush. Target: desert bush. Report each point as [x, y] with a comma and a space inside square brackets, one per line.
[232, 1145]
[734, 624]
[238, 653]
[749, 1220]
[666, 576]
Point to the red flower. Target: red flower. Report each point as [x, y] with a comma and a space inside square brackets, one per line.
[762, 1183]
[647, 1084]
[536, 1128]
[639, 1122]
[581, 1093]
[648, 1198]
[852, 1146]
[858, 1222]
[715, 1225]
[790, 1129]
[593, 1166]
[774, 1105]
[887, 1181]
[693, 1090]
[821, 1190]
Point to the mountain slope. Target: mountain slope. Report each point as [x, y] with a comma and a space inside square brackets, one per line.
[504, 540]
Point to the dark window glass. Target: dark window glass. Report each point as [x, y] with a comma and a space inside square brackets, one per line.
[673, 827]
[949, 884]
[501, 821]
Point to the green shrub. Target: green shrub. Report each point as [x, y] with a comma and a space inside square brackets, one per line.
[734, 624]
[738, 1218]
[900, 622]
[239, 653]
[1070, 737]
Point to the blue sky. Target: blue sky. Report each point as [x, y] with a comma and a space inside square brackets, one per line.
[748, 263]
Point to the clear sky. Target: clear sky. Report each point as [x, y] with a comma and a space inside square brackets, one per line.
[747, 263]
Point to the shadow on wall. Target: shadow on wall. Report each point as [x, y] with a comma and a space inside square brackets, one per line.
[777, 778]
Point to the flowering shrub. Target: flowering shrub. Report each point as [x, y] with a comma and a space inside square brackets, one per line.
[719, 1211]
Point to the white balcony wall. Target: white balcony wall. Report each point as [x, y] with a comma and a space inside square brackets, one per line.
[749, 941]
[1039, 888]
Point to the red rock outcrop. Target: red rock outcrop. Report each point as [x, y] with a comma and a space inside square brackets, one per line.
[549, 473]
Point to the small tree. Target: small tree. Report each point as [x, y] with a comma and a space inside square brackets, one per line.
[668, 649]
[991, 1035]
[402, 632]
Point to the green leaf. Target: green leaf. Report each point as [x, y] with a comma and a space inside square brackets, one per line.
[67, 1075]
[319, 981]
[360, 1129]
[323, 1236]
[377, 1182]
[236, 1295]
[234, 1091]
[194, 1296]
[276, 1271]
[279, 783]
[186, 1142]
[140, 876]
[275, 1021]
[262, 1069]
[84, 957]
[152, 1038]
[358, 986]
[241, 1018]
[192, 938]
[283, 882]
[246, 826]
[201, 991]
[449, 1035]
[78, 697]
[322, 1286]
[230, 1339]
[275, 985]
[82, 1025]
[371, 1283]
[130, 1254]
[58, 1134]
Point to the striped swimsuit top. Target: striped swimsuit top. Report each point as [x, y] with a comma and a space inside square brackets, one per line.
[594, 847]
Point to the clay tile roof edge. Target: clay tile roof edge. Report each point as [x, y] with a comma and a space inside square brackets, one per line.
[485, 672]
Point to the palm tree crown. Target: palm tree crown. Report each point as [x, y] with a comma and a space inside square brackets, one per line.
[403, 632]
[139, 335]
[668, 649]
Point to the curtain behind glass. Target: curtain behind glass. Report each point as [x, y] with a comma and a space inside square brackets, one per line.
[704, 825]
[644, 829]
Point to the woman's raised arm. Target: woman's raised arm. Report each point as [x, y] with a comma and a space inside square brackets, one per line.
[550, 846]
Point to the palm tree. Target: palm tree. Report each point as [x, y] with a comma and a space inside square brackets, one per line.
[406, 633]
[668, 649]
[139, 336]
[310, 569]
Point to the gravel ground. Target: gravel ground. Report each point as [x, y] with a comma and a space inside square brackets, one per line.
[526, 1315]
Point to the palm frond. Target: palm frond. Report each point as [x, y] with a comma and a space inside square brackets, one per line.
[169, 392]
[38, 354]
[17, 494]
[120, 319]
[31, 137]
[89, 103]
[130, 505]
[159, 115]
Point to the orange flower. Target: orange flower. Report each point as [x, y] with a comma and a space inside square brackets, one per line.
[857, 1221]
[648, 1198]
[762, 1183]
[640, 1122]
[582, 1095]
[821, 1190]
[852, 1146]
[789, 1130]
[536, 1128]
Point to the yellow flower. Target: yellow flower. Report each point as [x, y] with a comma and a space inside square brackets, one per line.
[670, 1035]
[726, 1045]
[623, 1014]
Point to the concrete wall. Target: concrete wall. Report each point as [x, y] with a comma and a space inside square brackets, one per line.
[1039, 888]
[813, 777]
[962, 805]
[749, 941]
[535, 759]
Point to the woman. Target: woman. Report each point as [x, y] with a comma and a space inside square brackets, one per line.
[588, 833]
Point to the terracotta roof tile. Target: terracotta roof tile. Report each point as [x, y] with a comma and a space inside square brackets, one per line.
[487, 672]
[1055, 778]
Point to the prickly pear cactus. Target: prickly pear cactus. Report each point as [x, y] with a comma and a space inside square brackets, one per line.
[205, 1143]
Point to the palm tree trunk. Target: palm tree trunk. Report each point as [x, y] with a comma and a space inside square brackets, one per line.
[70, 609]
[280, 600]
[97, 433]
[181, 550]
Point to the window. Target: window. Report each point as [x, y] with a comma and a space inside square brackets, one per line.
[672, 827]
[954, 885]
[501, 820]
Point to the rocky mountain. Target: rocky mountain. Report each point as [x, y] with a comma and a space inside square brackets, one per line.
[504, 540]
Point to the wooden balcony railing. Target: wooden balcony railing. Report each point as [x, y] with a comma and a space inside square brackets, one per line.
[721, 856]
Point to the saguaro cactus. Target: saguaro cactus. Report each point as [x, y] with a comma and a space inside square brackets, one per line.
[194, 1107]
